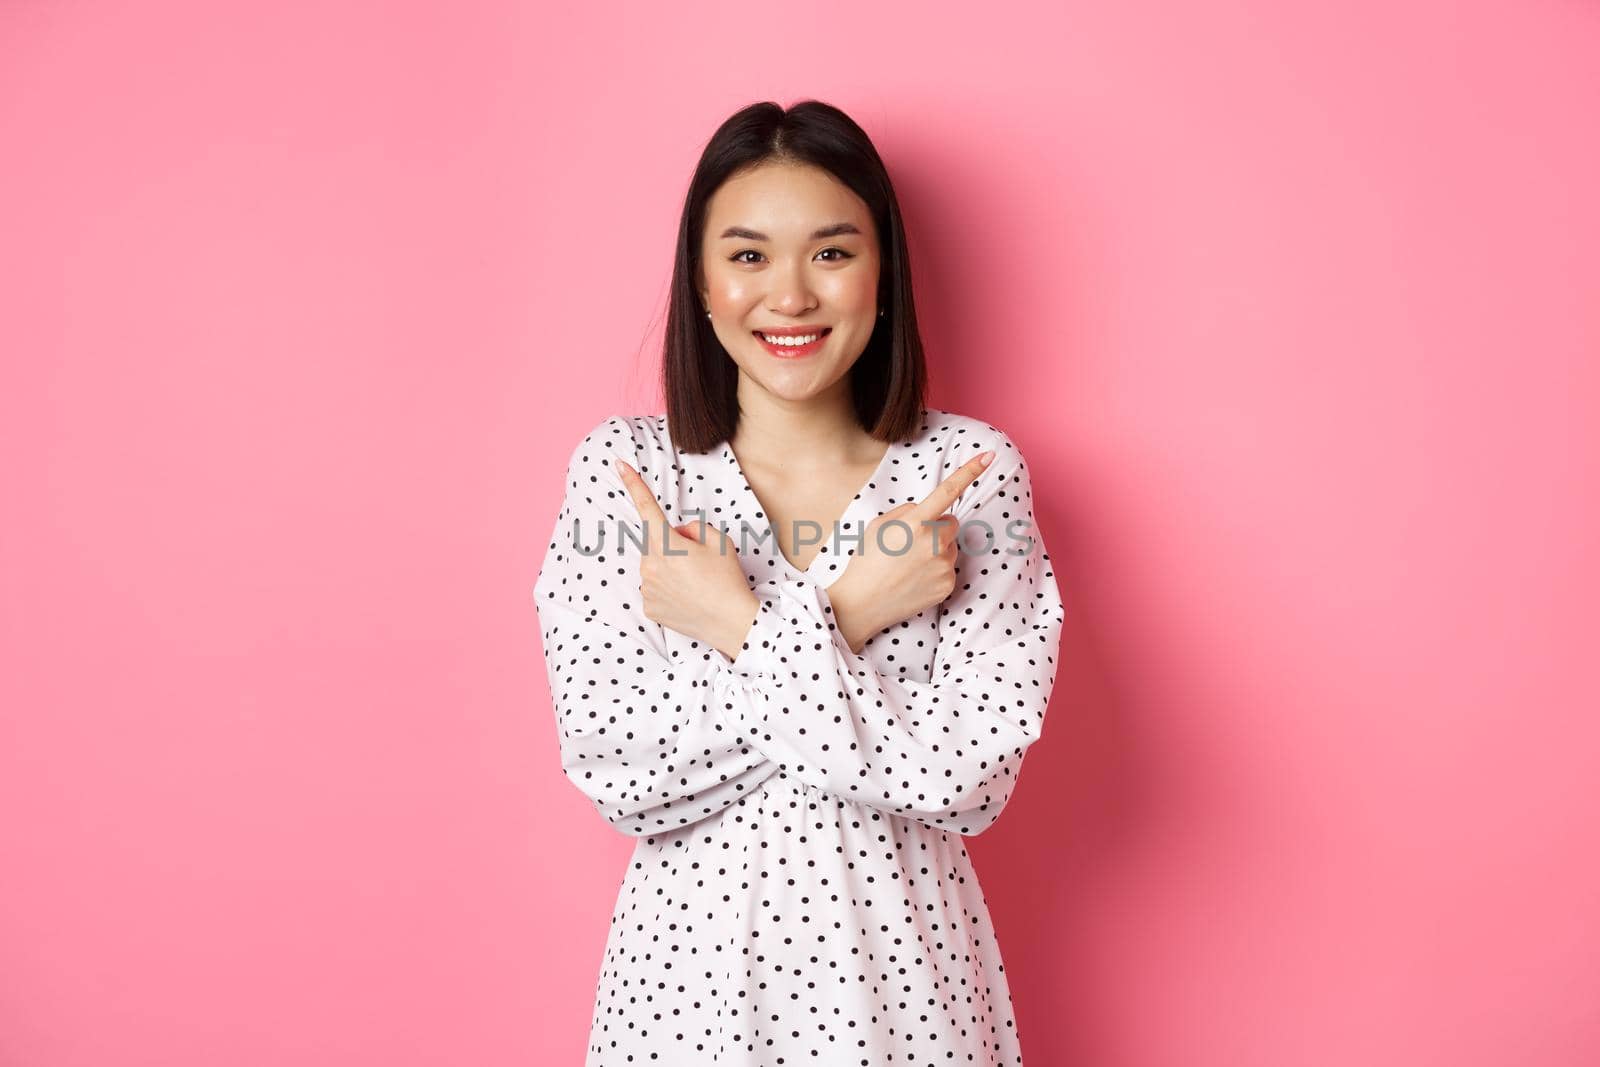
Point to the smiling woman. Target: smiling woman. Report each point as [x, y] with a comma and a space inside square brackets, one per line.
[791, 225]
[799, 742]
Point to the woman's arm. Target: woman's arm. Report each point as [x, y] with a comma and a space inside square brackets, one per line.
[944, 752]
[852, 617]
[643, 732]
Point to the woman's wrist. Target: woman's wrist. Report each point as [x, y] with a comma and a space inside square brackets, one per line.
[740, 617]
[849, 615]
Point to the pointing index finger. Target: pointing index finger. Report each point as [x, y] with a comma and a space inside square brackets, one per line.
[644, 501]
[944, 494]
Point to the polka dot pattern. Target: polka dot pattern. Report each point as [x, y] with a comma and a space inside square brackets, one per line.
[799, 891]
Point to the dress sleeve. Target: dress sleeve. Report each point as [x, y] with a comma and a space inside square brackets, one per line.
[642, 731]
[945, 752]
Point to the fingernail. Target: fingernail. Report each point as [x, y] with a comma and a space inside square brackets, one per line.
[986, 459]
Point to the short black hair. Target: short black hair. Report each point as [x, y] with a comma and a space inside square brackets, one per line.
[699, 379]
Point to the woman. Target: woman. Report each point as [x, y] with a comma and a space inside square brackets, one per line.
[770, 657]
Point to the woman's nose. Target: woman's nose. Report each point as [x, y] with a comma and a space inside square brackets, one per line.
[789, 295]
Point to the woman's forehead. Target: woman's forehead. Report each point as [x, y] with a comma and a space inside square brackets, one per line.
[785, 200]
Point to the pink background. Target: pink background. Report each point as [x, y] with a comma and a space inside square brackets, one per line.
[1295, 313]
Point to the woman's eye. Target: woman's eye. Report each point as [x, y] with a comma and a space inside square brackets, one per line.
[736, 257]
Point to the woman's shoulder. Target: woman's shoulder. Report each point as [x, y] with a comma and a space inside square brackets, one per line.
[963, 436]
[610, 434]
[641, 440]
[626, 432]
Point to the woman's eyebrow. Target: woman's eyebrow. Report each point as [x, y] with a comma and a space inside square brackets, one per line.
[835, 230]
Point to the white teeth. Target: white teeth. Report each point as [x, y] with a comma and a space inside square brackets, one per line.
[791, 342]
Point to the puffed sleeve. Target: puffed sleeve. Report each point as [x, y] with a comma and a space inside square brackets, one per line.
[642, 732]
[945, 752]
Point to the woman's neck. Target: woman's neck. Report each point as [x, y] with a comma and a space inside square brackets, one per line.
[815, 434]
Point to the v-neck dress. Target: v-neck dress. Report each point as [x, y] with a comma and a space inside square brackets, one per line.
[800, 890]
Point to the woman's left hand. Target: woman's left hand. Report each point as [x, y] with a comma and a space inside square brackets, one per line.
[698, 588]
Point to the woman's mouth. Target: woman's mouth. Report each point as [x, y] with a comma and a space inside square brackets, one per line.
[790, 343]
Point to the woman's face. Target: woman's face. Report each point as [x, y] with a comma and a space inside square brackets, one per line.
[789, 245]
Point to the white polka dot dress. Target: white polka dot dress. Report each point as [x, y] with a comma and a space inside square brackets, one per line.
[800, 891]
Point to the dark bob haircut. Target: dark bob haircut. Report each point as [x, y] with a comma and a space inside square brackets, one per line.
[699, 378]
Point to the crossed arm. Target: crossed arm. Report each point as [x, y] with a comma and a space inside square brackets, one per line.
[659, 738]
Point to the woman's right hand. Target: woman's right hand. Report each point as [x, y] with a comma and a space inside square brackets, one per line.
[879, 588]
